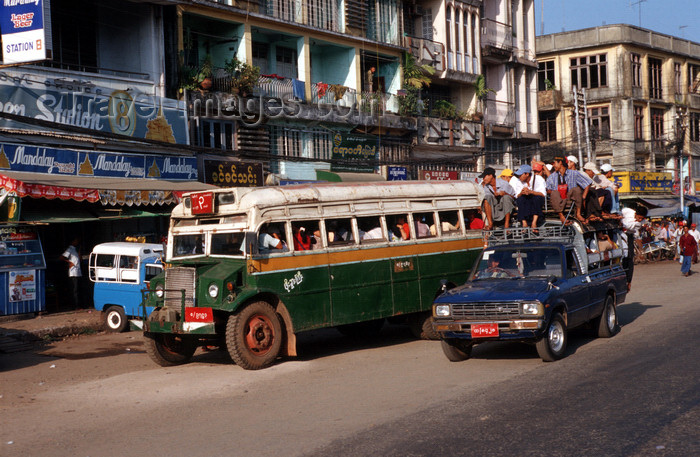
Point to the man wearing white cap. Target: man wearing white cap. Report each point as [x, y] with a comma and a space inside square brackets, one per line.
[604, 180]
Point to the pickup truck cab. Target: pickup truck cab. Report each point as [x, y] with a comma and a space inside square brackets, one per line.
[120, 271]
[535, 286]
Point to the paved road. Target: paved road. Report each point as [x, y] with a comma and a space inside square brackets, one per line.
[634, 394]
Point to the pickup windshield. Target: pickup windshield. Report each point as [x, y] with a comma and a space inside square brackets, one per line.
[518, 263]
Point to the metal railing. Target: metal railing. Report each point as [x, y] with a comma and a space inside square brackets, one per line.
[500, 113]
[324, 14]
[496, 34]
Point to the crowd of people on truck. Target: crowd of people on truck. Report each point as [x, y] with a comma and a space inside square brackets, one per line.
[590, 192]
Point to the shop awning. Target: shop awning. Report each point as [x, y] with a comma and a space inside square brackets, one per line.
[109, 191]
[59, 215]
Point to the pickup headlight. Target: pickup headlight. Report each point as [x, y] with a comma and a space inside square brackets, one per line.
[442, 311]
[213, 290]
[532, 309]
[159, 291]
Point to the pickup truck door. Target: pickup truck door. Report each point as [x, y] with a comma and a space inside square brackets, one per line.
[576, 290]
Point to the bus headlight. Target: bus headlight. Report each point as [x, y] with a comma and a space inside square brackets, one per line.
[213, 290]
[531, 309]
[159, 291]
[442, 310]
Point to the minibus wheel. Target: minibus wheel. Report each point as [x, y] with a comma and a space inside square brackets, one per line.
[115, 319]
[254, 336]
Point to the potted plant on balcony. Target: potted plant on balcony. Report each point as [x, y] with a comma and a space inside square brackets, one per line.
[205, 73]
[481, 93]
[415, 77]
[445, 109]
[244, 77]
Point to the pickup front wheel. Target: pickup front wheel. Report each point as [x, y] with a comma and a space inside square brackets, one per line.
[456, 350]
[553, 345]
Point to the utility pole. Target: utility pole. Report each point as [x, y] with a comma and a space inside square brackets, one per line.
[589, 152]
[577, 116]
[680, 142]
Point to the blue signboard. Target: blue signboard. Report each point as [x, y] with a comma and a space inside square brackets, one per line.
[397, 174]
[52, 161]
[22, 27]
[129, 113]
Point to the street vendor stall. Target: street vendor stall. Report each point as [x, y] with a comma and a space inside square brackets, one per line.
[22, 270]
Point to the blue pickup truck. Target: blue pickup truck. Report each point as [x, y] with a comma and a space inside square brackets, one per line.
[534, 286]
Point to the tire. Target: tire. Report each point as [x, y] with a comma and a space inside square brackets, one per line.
[421, 325]
[367, 329]
[254, 336]
[115, 319]
[607, 321]
[552, 346]
[456, 350]
[169, 350]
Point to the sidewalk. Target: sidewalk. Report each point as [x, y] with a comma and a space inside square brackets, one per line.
[18, 333]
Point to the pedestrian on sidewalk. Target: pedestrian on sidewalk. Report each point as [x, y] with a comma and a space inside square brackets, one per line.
[72, 257]
[688, 247]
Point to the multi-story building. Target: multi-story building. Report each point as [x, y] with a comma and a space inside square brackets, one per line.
[642, 91]
[509, 66]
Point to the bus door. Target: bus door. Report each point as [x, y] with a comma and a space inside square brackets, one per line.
[360, 277]
[403, 266]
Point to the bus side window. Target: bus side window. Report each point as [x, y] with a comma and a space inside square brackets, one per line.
[398, 228]
[370, 229]
[449, 222]
[127, 265]
[422, 223]
[472, 219]
[272, 238]
[306, 235]
[106, 267]
[339, 232]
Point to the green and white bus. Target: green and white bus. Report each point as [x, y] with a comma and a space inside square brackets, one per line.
[249, 268]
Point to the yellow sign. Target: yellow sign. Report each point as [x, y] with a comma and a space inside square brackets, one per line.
[640, 182]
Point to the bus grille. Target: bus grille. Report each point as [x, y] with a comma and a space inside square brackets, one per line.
[176, 279]
[485, 310]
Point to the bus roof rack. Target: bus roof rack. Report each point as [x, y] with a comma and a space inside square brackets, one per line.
[549, 231]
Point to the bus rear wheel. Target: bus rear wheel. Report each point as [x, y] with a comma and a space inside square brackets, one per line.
[169, 350]
[254, 336]
[115, 319]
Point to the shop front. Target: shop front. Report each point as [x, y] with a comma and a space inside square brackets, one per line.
[654, 192]
[94, 197]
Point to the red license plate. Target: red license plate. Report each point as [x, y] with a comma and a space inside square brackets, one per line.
[199, 315]
[202, 203]
[484, 330]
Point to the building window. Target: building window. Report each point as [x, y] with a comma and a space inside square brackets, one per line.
[636, 70]
[695, 127]
[599, 119]
[286, 62]
[694, 78]
[285, 142]
[260, 57]
[677, 77]
[448, 38]
[427, 24]
[545, 75]
[214, 134]
[655, 80]
[321, 144]
[494, 151]
[548, 126]
[74, 33]
[638, 123]
[657, 127]
[589, 72]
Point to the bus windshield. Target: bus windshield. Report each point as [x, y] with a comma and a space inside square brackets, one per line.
[518, 263]
[222, 244]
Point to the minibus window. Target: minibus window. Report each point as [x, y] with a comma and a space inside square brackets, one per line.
[339, 232]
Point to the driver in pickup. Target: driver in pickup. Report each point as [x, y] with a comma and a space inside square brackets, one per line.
[493, 270]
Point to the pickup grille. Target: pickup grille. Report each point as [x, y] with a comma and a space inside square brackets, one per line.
[176, 279]
[485, 310]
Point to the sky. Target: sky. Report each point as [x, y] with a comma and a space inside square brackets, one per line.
[680, 18]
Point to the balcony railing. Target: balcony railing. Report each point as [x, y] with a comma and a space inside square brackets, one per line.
[427, 52]
[500, 113]
[366, 102]
[496, 34]
[324, 14]
[276, 86]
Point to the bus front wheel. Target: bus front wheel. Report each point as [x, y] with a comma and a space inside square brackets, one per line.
[169, 350]
[254, 336]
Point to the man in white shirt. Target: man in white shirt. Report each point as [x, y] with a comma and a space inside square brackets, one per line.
[72, 257]
[498, 201]
[529, 189]
[603, 181]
